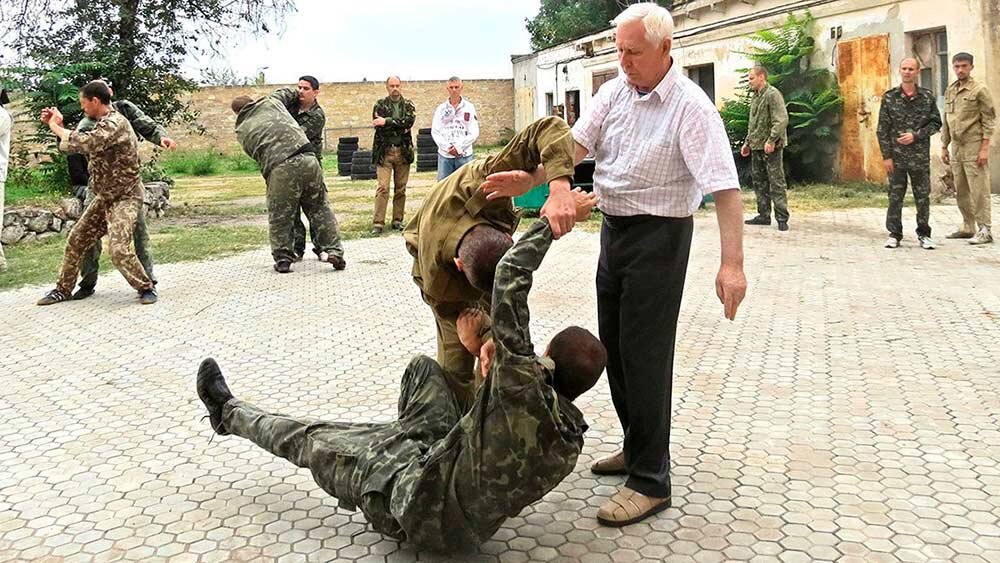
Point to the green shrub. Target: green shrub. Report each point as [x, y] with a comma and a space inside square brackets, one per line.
[811, 95]
[240, 162]
[192, 162]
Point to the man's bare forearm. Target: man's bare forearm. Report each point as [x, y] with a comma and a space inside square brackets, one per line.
[729, 210]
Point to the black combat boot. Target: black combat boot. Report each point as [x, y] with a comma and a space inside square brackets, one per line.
[282, 266]
[758, 220]
[213, 391]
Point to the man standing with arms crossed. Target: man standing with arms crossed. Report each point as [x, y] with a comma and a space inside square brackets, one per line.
[392, 152]
[765, 145]
[310, 117]
[455, 128]
[660, 146]
[906, 121]
[968, 125]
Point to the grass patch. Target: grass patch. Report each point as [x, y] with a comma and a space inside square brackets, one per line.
[34, 194]
[39, 262]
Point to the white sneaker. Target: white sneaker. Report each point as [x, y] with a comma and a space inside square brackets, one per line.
[892, 242]
[926, 243]
[982, 237]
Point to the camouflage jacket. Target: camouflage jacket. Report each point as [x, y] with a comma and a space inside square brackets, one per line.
[113, 156]
[519, 441]
[393, 130]
[768, 119]
[457, 204]
[268, 133]
[313, 122]
[142, 124]
[900, 114]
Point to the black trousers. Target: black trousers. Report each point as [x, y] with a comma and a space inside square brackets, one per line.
[640, 281]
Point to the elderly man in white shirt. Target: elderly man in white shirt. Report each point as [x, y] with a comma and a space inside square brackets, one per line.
[455, 128]
[660, 146]
[6, 125]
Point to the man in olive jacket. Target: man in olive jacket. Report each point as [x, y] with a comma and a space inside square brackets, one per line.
[765, 143]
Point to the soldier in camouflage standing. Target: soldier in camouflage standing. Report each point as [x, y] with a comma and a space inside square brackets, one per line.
[268, 134]
[907, 119]
[145, 128]
[969, 117]
[439, 477]
[114, 178]
[392, 153]
[310, 117]
[765, 145]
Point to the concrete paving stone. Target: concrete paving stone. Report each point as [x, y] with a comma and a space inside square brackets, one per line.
[845, 415]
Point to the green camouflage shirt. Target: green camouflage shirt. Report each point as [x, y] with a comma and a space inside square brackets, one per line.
[519, 441]
[901, 114]
[112, 152]
[396, 130]
[312, 121]
[142, 124]
[268, 133]
[768, 119]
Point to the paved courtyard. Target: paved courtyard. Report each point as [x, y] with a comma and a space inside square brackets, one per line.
[849, 414]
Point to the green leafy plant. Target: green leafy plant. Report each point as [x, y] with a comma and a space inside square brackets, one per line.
[811, 95]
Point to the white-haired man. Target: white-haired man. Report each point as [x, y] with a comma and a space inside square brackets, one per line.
[659, 146]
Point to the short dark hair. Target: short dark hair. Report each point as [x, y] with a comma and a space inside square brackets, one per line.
[480, 250]
[240, 102]
[97, 89]
[580, 359]
[311, 80]
[759, 70]
[963, 57]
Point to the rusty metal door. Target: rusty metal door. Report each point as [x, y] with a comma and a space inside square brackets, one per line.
[863, 74]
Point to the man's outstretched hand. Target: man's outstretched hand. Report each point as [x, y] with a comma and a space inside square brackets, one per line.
[512, 183]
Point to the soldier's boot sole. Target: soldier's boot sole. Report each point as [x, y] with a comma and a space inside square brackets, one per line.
[213, 392]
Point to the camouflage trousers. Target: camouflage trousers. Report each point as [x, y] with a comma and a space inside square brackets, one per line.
[972, 187]
[920, 183]
[340, 455]
[90, 266]
[116, 218]
[297, 184]
[768, 173]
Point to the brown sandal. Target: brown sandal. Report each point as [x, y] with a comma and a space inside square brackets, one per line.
[628, 507]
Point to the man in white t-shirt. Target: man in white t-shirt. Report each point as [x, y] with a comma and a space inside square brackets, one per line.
[455, 129]
[6, 124]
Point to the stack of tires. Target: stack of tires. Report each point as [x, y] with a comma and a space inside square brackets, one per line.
[427, 151]
[346, 147]
[362, 167]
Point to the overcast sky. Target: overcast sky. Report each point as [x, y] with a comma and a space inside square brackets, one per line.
[416, 39]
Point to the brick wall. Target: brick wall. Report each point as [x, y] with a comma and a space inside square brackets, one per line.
[348, 107]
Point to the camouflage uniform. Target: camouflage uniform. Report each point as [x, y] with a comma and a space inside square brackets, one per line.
[145, 128]
[453, 207]
[434, 477]
[768, 122]
[313, 122]
[267, 132]
[114, 178]
[969, 118]
[392, 153]
[898, 115]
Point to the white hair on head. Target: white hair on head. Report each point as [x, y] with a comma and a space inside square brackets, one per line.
[655, 18]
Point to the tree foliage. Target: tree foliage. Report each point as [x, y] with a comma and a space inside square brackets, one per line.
[559, 21]
[811, 95]
[140, 45]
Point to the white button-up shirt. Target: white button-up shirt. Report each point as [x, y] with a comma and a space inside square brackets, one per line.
[658, 153]
[455, 127]
[6, 124]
